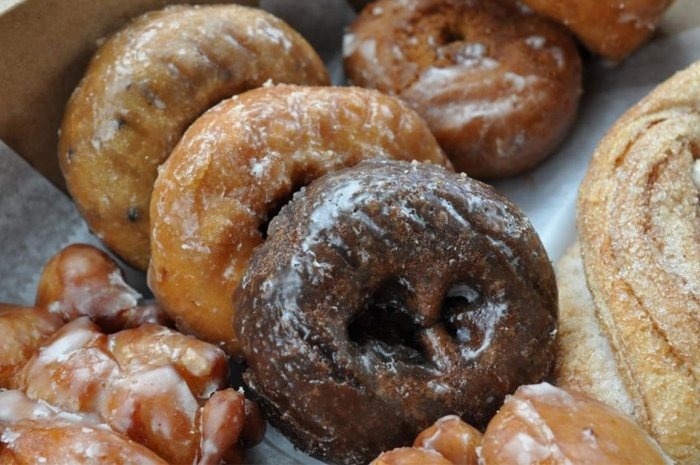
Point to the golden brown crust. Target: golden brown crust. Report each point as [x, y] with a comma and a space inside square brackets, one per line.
[499, 88]
[542, 424]
[70, 444]
[585, 360]
[81, 280]
[158, 387]
[145, 85]
[34, 432]
[22, 331]
[411, 456]
[639, 220]
[613, 29]
[238, 163]
[456, 440]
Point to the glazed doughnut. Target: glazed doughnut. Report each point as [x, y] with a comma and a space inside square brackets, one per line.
[22, 331]
[34, 432]
[411, 456]
[611, 29]
[498, 87]
[241, 161]
[639, 221]
[542, 424]
[454, 439]
[394, 293]
[142, 89]
[82, 280]
[154, 385]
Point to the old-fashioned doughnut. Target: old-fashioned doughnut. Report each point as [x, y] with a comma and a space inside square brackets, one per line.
[542, 424]
[22, 331]
[499, 87]
[142, 89]
[611, 29]
[81, 280]
[639, 221]
[156, 386]
[237, 164]
[394, 293]
[456, 440]
[34, 432]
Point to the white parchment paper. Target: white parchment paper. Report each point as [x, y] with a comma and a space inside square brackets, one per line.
[37, 220]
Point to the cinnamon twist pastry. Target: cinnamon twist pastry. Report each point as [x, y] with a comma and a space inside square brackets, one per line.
[142, 89]
[154, 385]
[639, 220]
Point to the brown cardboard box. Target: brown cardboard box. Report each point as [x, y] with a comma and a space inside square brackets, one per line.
[44, 48]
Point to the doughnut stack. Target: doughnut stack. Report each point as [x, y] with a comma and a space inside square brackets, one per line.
[331, 243]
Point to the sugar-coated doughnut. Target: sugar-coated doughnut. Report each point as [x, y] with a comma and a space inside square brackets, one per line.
[499, 87]
[240, 162]
[386, 296]
[142, 89]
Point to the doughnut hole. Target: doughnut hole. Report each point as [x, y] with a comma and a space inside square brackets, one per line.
[388, 327]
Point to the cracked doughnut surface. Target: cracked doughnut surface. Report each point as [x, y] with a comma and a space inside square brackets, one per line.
[237, 164]
[498, 87]
[393, 293]
[142, 89]
[156, 386]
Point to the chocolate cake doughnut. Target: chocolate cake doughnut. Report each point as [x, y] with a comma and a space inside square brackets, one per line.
[386, 296]
[233, 169]
[499, 87]
[143, 88]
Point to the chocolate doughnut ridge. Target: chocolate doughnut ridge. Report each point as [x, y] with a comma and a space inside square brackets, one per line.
[386, 296]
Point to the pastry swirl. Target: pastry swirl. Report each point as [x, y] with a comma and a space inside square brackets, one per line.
[639, 220]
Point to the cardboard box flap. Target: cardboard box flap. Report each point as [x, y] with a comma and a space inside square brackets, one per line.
[45, 48]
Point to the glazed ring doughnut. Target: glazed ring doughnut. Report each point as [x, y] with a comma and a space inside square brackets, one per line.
[611, 29]
[394, 293]
[145, 85]
[639, 220]
[237, 164]
[498, 87]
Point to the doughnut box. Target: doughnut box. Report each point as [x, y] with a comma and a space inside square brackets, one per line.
[45, 46]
